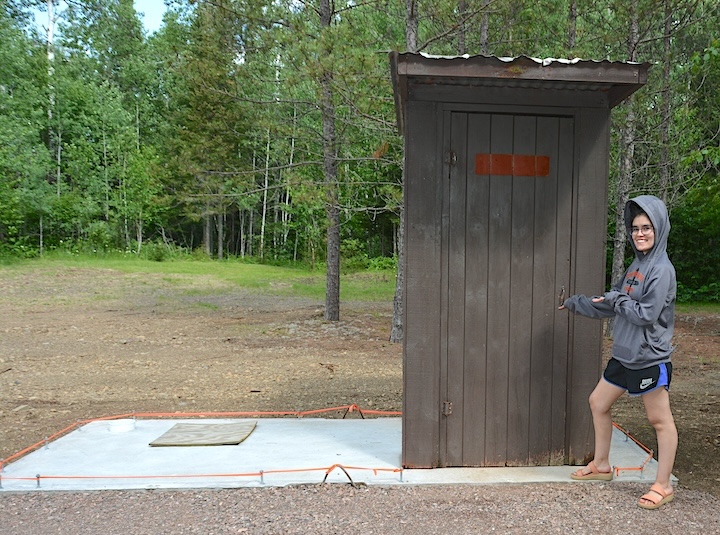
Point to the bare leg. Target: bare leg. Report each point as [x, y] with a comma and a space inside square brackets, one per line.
[601, 401]
[657, 406]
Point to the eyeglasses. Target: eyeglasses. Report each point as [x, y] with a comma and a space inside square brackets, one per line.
[645, 229]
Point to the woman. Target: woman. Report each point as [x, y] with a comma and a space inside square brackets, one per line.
[643, 304]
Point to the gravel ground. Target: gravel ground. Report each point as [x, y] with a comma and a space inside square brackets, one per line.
[343, 509]
[81, 343]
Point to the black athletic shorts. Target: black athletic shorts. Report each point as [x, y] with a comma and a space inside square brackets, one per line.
[638, 382]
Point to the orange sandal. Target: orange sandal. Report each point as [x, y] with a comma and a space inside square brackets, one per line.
[652, 497]
[594, 475]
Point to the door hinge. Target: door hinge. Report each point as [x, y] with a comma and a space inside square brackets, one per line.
[452, 157]
[447, 407]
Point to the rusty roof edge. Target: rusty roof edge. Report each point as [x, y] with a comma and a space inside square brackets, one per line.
[421, 64]
[541, 61]
[621, 78]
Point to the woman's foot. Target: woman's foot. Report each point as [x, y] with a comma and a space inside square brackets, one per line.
[656, 497]
[592, 473]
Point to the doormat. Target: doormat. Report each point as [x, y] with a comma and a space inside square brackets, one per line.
[205, 434]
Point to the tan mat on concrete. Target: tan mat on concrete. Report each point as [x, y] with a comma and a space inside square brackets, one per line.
[184, 434]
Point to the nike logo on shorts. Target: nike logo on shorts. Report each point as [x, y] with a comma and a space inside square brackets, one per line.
[646, 383]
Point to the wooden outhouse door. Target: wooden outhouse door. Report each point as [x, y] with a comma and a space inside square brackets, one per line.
[506, 235]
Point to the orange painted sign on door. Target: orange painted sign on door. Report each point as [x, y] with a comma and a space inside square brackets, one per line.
[512, 164]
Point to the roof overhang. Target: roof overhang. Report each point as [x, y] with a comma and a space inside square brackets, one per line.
[617, 79]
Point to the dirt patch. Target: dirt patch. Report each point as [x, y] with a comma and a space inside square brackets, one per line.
[79, 344]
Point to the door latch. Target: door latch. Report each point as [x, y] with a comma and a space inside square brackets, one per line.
[447, 407]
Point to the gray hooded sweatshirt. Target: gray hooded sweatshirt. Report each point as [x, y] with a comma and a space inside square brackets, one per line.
[643, 302]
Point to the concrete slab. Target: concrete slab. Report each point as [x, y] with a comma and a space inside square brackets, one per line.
[115, 454]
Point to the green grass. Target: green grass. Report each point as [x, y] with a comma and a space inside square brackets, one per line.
[209, 306]
[208, 277]
[694, 308]
[203, 277]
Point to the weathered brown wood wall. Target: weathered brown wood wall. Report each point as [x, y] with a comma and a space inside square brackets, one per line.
[493, 373]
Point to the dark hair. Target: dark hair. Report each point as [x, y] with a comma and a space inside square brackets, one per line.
[635, 211]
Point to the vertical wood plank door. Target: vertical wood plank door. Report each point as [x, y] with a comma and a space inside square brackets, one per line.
[506, 249]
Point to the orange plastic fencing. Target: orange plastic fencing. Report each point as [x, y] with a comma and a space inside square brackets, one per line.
[244, 414]
[640, 468]
[260, 474]
[298, 414]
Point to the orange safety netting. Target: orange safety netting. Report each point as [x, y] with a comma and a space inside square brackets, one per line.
[347, 408]
[135, 415]
[640, 468]
[260, 473]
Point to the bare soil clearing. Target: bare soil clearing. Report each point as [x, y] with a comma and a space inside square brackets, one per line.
[78, 344]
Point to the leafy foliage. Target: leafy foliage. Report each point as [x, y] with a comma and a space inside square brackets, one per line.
[695, 242]
[207, 136]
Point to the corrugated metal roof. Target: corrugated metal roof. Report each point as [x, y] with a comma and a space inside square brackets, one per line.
[542, 61]
[616, 79]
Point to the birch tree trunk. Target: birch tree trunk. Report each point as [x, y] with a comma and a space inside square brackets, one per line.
[286, 216]
[58, 160]
[106, 177]
[139, 233]
[51, 95]
[265, 194]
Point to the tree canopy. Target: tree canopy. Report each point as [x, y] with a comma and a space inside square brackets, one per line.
[266, 128]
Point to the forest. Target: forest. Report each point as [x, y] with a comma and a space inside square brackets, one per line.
[265, 129]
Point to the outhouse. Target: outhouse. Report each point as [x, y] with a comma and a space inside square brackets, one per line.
[506, 186]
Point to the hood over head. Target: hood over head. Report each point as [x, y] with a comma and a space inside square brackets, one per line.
[657, 213]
